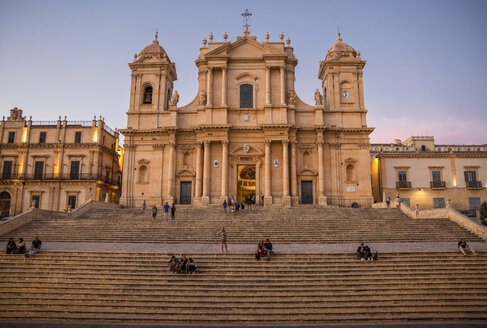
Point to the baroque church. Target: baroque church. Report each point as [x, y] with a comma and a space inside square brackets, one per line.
[247, 132]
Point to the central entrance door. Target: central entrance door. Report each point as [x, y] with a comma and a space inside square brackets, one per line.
[185, 192]
[306, 192]
[245, 182]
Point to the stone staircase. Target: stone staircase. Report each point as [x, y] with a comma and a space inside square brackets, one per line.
[297, 289]
[301, 225]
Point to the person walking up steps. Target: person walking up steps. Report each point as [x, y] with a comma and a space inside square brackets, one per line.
[225, 206]
[143, 206]
[223, 239]
[173, 211]
[166, 211]
[154, 212]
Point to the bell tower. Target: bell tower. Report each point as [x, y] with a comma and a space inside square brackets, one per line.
[153, 76]
[342, 83]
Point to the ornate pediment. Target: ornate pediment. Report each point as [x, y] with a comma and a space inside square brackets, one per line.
[186, 173]
[16, 115]
[244, 47]
[246, 150]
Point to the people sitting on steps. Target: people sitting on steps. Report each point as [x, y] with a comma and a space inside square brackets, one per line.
[173, 264]
[462, 246]
[35, 248]
[268, 249]
[260, 250]
[192, 266]
[20, 247]
[11, 246]
[361, 252]
[183, 266]
[364, 253]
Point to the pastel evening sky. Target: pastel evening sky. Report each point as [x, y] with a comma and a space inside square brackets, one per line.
[426, 71]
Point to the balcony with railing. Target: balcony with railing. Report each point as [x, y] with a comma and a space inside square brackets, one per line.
[59, 177]
[403, 184]
[473, 184]
[437, 184]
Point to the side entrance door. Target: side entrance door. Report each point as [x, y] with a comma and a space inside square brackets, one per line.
[185, 193]
[306, 192]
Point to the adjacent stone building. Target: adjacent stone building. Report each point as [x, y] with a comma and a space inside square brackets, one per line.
[429, 175]
[246, 132]
[56, 165]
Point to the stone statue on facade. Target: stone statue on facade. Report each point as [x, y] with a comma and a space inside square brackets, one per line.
[202, 98]
[173, 102]
[318, 98]
[292, 97]
[15, 115]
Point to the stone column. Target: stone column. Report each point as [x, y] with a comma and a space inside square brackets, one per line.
[294, 182]
[199, 178]
[285, 168]
[283, 85]
[286, 200]
[209, 87]
[224, 189]
[267, 85]
[206, 174]
[321, 174]
[224, 86]
[267, 174]
[170, 180]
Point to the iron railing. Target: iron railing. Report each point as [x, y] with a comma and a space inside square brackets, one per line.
[473, 184]
[437, 184]
[403, 184]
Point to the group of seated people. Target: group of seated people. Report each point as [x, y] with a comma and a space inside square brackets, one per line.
[364, 253]
[19, 247]
[183, 265]
[264, 248]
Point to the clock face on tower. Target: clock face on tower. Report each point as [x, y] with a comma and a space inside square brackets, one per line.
[346, 94]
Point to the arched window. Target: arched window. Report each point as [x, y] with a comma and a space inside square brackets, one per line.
[143, 174]
[423, 148]
[147, 95]
[246, 96]
[350, 172]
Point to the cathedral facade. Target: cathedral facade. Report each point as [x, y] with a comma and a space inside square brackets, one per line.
[247, 132]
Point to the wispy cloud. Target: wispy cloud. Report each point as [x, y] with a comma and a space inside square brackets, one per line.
[445, 130]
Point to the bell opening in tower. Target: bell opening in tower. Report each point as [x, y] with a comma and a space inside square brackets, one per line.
[245, 182]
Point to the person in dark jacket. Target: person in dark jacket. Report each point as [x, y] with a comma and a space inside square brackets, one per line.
[361, 252]
[11, 246]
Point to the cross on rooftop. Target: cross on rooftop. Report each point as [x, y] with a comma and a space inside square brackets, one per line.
[246, 19]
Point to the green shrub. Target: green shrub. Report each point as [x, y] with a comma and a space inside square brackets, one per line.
[483, 213]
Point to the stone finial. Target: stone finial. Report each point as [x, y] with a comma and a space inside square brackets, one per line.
[358, 54]
[339, 38]
[288, 41]
[156, 36]
[281, 37]
[266, 36]
[204, 42]
[135, 56]
[210, 37]
[30, 118]
[225, 37]
[65, 117]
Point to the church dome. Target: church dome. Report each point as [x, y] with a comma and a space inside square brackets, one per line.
[154, 50]
[340, 48]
